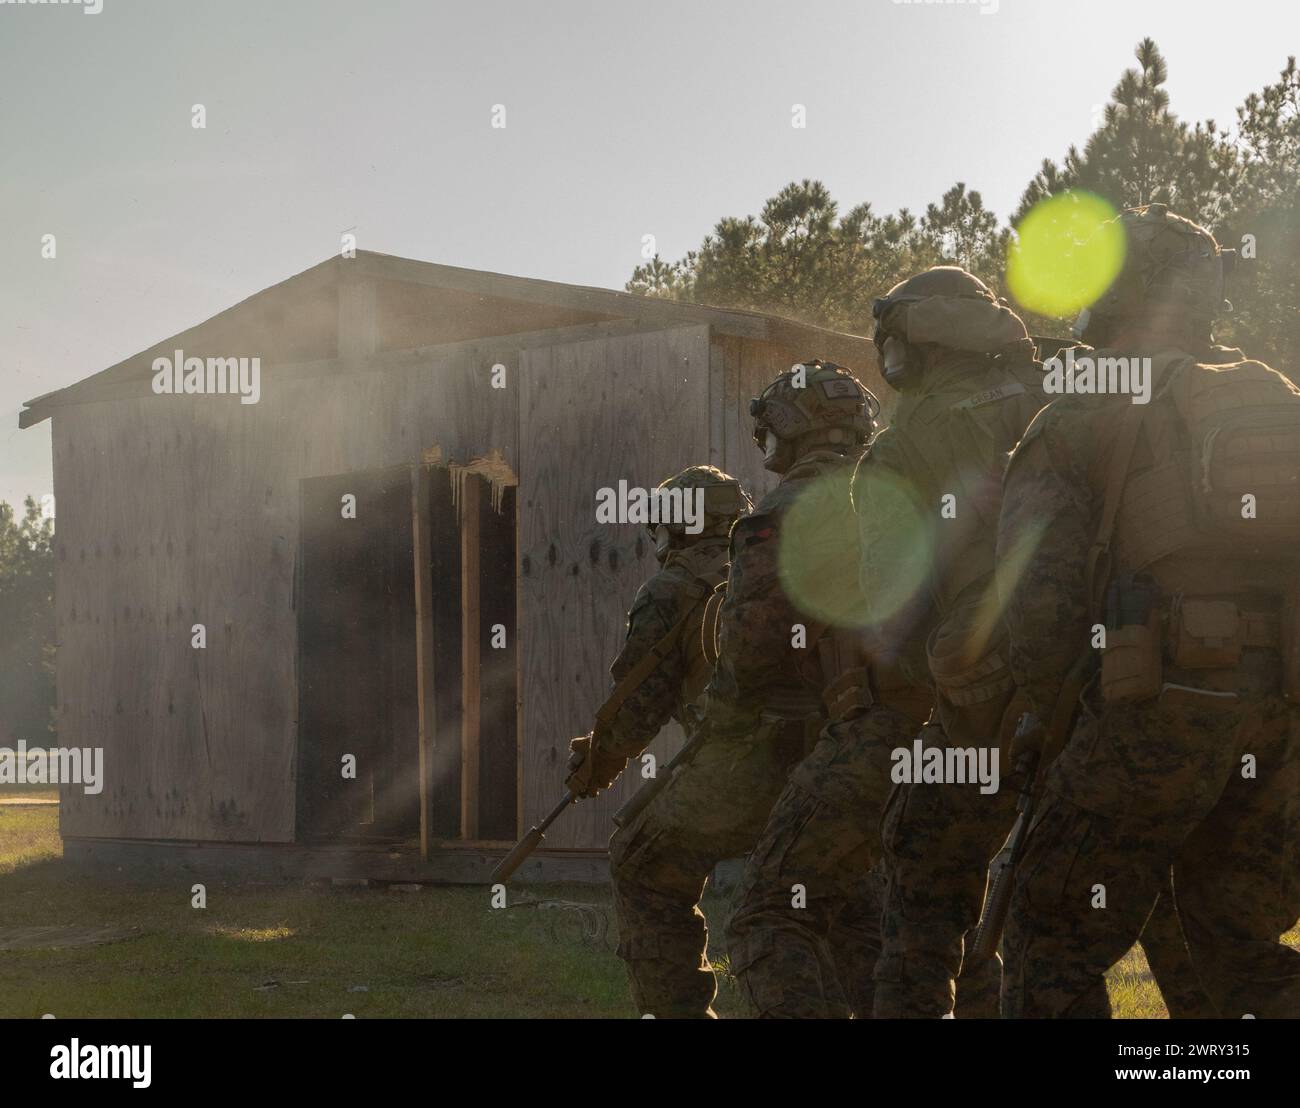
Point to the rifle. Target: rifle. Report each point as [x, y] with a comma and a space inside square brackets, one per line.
[605, 715]
[1002, 870]
[503, 870]
[1041, 746]
[641, 799]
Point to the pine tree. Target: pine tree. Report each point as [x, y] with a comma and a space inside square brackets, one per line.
[1143, 154]
[1265, 226]
[27, 619]
[800, 258]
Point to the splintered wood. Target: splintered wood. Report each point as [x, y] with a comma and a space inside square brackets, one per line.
[493, 469]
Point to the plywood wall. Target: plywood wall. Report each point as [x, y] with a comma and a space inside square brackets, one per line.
[743, 368]
[181, 510]
[174, 511]
[634, 408]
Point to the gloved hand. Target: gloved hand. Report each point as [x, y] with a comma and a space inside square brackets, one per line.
[592, 768]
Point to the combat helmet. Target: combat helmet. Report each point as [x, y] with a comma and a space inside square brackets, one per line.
[942, 307]
[725, 501]
[812, 404]
[1174, 272]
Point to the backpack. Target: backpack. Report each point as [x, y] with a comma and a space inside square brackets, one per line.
[1222, 472]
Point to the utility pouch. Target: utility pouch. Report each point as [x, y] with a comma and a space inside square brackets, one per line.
[968, 666]
[1205, 634]
[1131, 662]
[791, 738]
[846, 690]
[848, 696]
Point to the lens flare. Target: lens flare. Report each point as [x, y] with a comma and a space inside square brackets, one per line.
[1013, 563]
[1066, 253]
[898, 535]
[818, 553]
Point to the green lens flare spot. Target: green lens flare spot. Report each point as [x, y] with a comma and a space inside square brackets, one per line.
[1066, 253]
[817, 556]
[819, 545]
[900, 540]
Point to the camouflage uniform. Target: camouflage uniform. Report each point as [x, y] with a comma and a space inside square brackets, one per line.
[1104, 497]
[1146, 785]
[673, 602]
[715, 806]
[686, 577]
[823, 836]
[822, 832]
[951, 435]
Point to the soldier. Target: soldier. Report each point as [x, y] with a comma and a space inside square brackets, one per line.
[927, 496]
[811, 424]
[1170, 528]
[805, 933]
[963, 407]
[672, 603]
[663, 667]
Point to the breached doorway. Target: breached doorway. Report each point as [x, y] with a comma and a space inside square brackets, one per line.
[408, 705]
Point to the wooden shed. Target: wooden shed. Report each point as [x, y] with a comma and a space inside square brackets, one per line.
[449, 632]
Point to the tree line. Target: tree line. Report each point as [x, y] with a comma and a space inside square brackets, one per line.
[801, 257]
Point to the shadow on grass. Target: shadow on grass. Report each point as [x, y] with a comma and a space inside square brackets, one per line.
[289, 950]
[293, 950]
[99, 946]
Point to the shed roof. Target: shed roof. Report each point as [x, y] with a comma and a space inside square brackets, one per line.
[296, 321]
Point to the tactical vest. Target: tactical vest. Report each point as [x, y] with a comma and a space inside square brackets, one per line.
[955, 440]
[835, 663]
[1200, 492]
[1214, 470]
[708, 568]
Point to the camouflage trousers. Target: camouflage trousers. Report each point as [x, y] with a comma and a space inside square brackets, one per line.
[809, 878]
[714, 808]
[938, 841]
[1209, 786]
[813, 886]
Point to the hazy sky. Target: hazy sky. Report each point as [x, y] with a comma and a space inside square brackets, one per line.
[623, 119]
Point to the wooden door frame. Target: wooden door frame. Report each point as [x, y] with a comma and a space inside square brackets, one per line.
[421, 532]
[470, 658]
[470, 676]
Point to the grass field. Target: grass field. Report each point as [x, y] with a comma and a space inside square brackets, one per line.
[75, 947]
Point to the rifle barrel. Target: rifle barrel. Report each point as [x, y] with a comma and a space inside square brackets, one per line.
[503, 870]
[640, 800]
